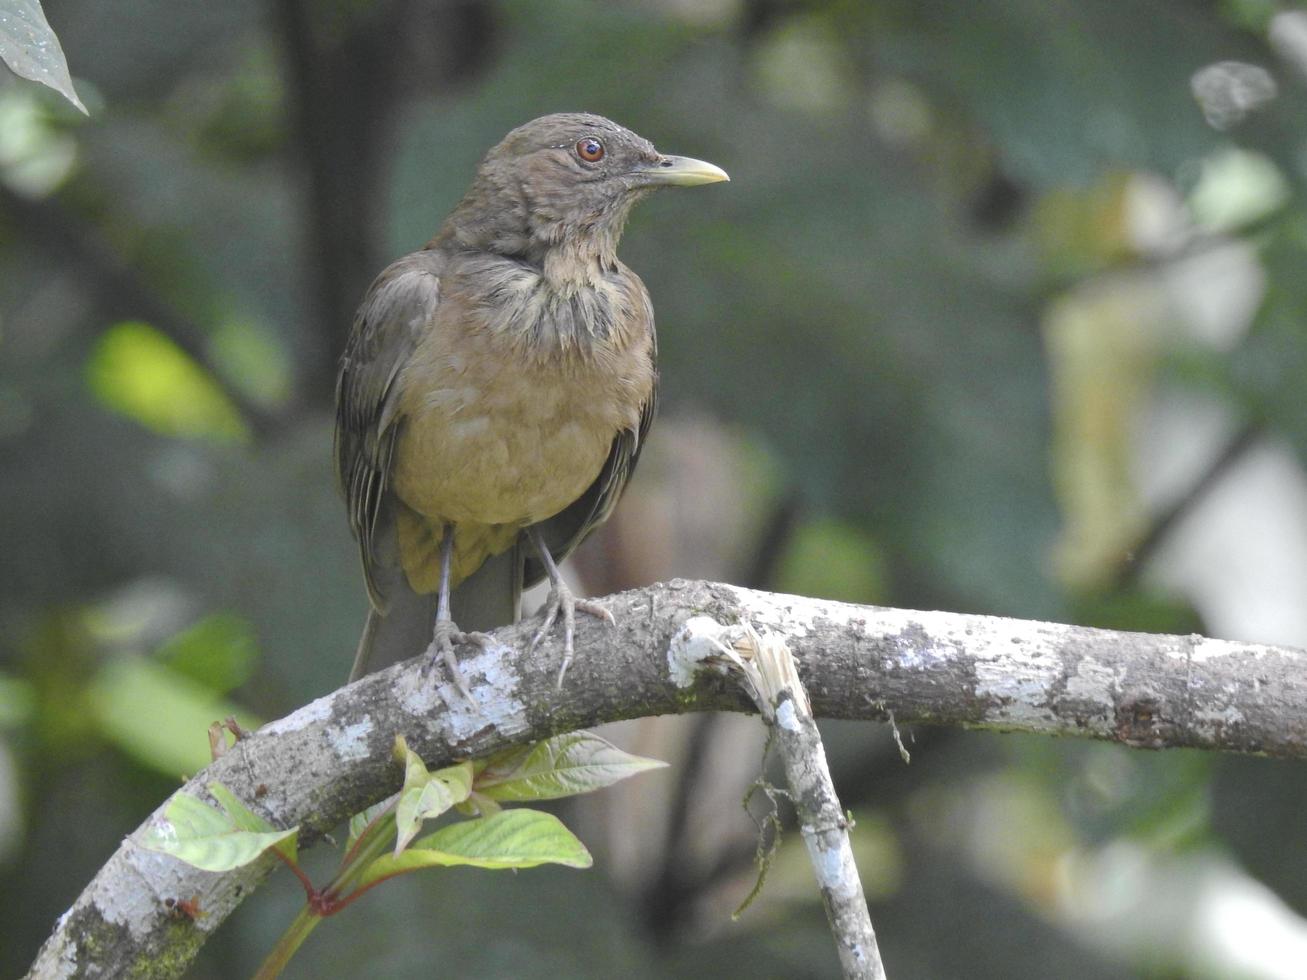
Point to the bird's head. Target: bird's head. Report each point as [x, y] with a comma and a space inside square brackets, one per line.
[566, 182]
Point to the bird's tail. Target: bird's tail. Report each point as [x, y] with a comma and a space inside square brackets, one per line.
[403, 631]
[490, 597]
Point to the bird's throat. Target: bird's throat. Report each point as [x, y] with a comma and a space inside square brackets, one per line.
[574, 266]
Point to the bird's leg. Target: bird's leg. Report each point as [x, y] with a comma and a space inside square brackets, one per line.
[446, 632]
[560, 600]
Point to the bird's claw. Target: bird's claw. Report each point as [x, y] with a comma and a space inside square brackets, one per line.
[443, 641]
[561, 600]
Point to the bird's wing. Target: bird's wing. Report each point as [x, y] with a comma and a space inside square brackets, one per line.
[397, 308]
[569, 527]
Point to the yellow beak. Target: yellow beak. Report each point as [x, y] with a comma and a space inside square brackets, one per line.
[684, 172]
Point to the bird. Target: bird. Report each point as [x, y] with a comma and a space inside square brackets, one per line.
[496, 389]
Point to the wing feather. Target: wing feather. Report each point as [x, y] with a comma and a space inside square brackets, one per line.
[398, 307]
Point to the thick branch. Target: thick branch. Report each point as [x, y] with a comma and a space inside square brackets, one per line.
[331, 758]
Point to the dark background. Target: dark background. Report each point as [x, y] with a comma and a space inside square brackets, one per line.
[993, 317]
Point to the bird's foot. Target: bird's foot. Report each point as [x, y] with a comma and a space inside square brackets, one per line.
[561, 600]
[447, 635]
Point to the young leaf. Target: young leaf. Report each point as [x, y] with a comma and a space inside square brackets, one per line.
[567, 765]
[518, 838]
[246, 819]
[205, 838]
[360, 821]
[477, 805]
[426, 794]
[242, 817]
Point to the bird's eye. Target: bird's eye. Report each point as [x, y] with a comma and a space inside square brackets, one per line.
[590, 150]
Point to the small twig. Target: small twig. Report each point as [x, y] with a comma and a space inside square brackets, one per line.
[769, 835]
[772, 678]
[904, 754]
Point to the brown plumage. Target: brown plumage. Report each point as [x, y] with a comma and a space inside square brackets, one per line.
[498, 384]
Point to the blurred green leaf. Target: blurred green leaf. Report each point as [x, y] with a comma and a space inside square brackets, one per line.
[1105, 794]
[17, 701]
[254, 359]
[1137, 611]
[1103, 345]
[519, 838]
[30, 48]
[206, 838]
[567, 765]
[236, 114]
[834, 560]
[158, 716]
[36, 155]
[1267, 370]
[1085, 230]
[220, 652]
[802, 66]
[1237, 188]
[136, 370]
[1255, 15]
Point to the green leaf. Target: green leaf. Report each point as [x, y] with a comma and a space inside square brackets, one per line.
[509, 839]
[38, 151]
[477, 805]
[567, 765]
[30, 48]
[17, 701]
[158, 716]
[426, 794]
[246, 819]
[360, 821]
[254, 359]
[834, 560]
[241, 816]
[206, 838]
[219, 651]
[138, 371]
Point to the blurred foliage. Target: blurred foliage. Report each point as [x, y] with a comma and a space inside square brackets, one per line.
[138, 371]
[989, 318]
[834, 560]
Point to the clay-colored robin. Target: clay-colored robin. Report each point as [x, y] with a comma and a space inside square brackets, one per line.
[497, 388]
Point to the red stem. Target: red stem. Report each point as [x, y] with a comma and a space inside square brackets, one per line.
[311, 893]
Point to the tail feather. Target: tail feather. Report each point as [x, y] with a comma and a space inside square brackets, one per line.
[403, 631]
[490, 597]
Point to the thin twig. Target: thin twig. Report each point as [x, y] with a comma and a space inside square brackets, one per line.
[773, 680]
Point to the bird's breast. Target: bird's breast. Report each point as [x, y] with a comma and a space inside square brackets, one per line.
[507, 424]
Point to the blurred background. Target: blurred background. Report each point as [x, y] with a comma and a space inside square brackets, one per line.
[1004, 311]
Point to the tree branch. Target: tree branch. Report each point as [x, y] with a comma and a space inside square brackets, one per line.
[331, 758]
[769, 672]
